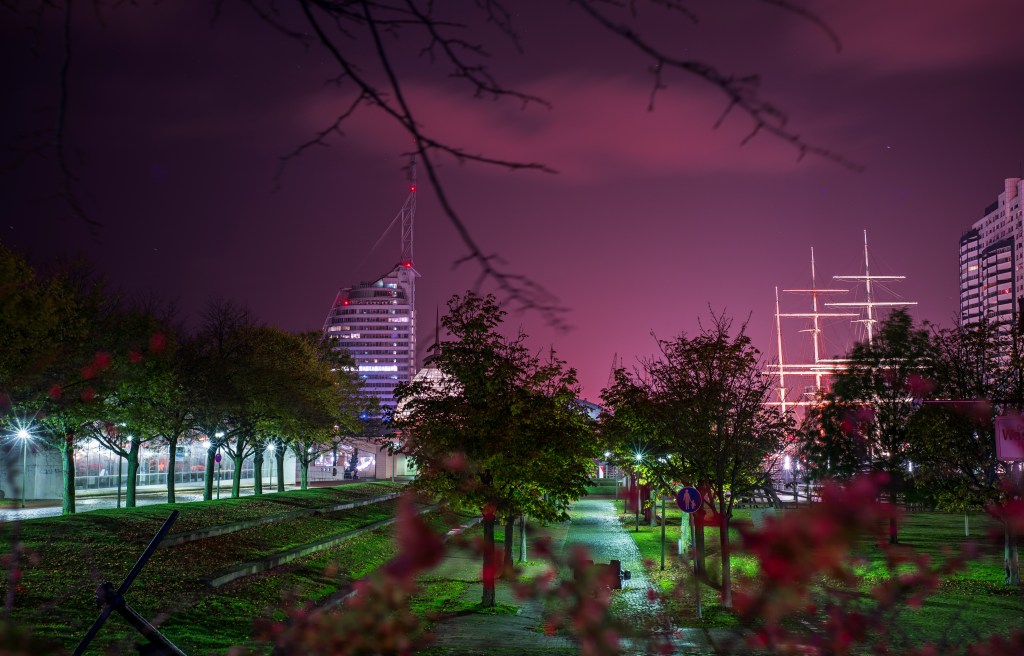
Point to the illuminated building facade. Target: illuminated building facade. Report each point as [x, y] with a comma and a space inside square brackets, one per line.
[992, 260]
[376, 323]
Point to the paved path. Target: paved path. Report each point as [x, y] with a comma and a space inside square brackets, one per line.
[594, 525]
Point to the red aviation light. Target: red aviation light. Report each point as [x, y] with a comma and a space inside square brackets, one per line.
[412, 187]
[407, 265]
[345, 302]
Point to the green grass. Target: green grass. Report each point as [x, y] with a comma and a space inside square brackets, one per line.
[970, 604]
[71, 555]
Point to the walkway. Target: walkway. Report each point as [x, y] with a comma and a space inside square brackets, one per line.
[595, 526]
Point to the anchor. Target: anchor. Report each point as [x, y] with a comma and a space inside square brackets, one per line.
[111, 600]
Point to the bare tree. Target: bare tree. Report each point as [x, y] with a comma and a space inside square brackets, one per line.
[368, 40]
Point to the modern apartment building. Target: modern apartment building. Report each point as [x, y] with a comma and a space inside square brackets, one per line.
[992, 260]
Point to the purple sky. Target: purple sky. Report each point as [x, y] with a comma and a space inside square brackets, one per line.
[178, 124]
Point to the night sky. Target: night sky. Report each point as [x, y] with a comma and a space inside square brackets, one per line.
[177, 122]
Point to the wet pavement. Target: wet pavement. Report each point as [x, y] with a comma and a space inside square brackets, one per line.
[595, 526]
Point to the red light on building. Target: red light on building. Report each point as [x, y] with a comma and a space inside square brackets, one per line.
[345, 302]
[407, 265]
[412, 187]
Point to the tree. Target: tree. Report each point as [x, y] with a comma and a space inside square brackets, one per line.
[484, 435]
[704, 403]
[78, 370]
[372, 45]
[976, 374]
[863, 423]
[333, 407]
[140, 406]
[30, 325]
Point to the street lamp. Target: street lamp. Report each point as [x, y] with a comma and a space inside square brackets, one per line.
[24, 436]
[639, 457]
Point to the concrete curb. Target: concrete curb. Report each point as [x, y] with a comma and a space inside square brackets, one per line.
[224, 529]
[270, 562]
[348, 590]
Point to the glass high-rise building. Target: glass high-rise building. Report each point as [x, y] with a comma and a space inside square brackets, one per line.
[376, 323]
[992, 260]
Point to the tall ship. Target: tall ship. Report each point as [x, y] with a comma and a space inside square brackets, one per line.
[798, 381]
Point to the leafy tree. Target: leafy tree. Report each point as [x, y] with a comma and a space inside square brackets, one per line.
[484, 435]
[137, 409]
[30, 325]
[332, 409]
[976, 373]
[863, 423]
[703, 405]
[79, 369]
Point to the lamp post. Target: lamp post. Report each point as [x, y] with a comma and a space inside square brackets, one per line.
[24, 436]
[639, 457]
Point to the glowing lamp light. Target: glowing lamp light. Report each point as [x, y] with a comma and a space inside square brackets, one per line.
[412, 187]
[407, 265]
[271, 447]
[639, 457]
[23, 434]
[607, 453]
[345, 302]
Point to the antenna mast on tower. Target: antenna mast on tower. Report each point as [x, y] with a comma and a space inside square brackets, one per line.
[408, 214]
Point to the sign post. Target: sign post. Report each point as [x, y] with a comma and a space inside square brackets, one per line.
[1010, 437]
[689, 501]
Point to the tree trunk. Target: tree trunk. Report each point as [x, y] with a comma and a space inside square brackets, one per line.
[510, 532]
[257, 471]
[172, 463]
[208, 474]
[522, 538]
[67, 502]
[894, 537]
[489, 566]
[133, 473]
[726, 560]
[1011, 558]
[279, 455]
[304, 475]
[236, 475]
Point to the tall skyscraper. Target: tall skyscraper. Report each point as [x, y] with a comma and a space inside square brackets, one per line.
[376, 321]
[992, 260]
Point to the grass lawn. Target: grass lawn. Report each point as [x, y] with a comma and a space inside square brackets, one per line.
[72, 555]
[969, 605]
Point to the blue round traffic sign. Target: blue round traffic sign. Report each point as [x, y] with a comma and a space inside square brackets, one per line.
[689, 500]
[217, 457]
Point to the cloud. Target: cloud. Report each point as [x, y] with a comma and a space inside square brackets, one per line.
[900, 36]
[596, 128]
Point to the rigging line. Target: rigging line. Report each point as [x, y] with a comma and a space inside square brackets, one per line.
[380, 239]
